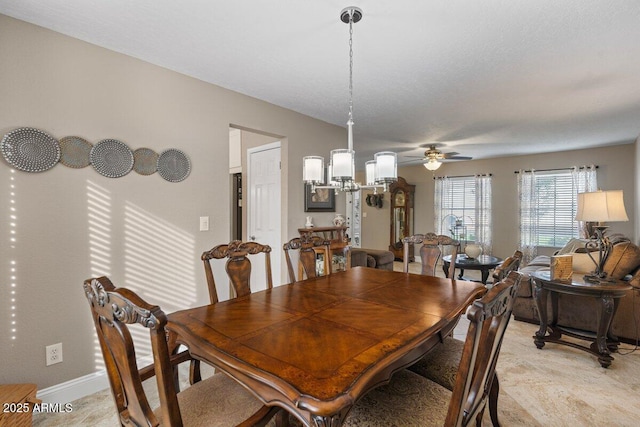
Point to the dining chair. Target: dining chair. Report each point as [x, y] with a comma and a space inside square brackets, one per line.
[215, 401]
[510, 263]
[308, 247]
[413, 399]
[238, 266]
[431, 251]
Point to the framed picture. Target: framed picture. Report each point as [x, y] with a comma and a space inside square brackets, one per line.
[323, 200]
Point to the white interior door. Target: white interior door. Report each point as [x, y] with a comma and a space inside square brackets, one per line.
[263, 209]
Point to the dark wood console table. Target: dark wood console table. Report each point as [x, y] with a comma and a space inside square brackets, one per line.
[608, 295]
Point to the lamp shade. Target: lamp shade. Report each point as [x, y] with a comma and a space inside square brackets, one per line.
[432, 164]
[601, 206]
[313, 169]
[386, 169]
[370, 168]
[343, 164]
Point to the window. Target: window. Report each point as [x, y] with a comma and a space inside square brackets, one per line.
[463, 209]
[557, 203]
[548, 202]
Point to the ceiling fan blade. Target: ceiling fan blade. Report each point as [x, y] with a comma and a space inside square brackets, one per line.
[458, 158]
[409, 161]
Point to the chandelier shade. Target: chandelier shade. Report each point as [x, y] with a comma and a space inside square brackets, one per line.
[343, 165]
[386, 169]
[341, 168]
[370, 172]
[313, 169]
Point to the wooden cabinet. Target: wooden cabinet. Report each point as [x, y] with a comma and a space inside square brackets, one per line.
[402, 195]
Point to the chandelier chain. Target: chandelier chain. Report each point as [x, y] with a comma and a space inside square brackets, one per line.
[351, 67]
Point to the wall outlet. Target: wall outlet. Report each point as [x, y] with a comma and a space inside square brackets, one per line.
[53, 353]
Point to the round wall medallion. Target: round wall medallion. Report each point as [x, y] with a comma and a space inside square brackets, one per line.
[75, 151]
[173, 165]
[145, 161]
[111, 158]
[30, 150]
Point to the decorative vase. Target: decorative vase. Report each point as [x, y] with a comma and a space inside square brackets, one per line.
[338, 221]
[309, 223]
[473, 250]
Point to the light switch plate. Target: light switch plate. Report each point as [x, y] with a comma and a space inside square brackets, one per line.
[204, 223]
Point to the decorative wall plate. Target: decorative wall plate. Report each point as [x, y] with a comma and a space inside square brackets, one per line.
[111, 158]
[145, 161]
[173, 165]
[30, 150]
[75, 151]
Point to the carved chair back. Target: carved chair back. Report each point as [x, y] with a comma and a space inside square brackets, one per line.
[238, 266]
[488, 317]
[113, 309]
[308, 246]
[511, 263]
[431, 251]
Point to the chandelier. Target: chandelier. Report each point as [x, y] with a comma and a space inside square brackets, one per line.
[380, 172]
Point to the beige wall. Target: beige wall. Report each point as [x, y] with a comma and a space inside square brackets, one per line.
[636, 180]
[71, 224]
[617, 166]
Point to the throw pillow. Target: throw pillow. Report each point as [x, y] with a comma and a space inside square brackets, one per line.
[623, 259]
[635, 280]
[582, 263]
[571, 246]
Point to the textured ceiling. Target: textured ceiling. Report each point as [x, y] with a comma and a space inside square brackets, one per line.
[485, 78]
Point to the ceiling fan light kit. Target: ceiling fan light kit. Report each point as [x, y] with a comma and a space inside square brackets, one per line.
[380, 172]
[432, 164]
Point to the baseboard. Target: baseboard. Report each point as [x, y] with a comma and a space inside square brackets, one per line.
[75, 389]
[80, 387]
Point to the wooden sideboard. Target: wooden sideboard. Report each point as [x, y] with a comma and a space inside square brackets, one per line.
[337, 235]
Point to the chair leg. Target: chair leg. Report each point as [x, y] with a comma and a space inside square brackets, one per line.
[282, 419]
[493, 400]
[194, 372]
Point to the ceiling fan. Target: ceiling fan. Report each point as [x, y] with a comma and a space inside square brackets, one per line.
[433, 157]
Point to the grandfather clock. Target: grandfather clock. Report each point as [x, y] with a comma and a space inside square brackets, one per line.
[402, 195]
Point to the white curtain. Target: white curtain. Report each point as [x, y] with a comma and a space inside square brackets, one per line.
[584, 181]
[442, 186]
[528, 215]
[483, 213]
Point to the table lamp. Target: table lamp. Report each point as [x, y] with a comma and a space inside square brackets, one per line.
[600, 207]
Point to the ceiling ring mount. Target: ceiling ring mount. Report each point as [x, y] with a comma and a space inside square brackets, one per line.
[354, 12]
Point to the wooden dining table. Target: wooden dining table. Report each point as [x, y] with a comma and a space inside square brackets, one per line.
[315, 347]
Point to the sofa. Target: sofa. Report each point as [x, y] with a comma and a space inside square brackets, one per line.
[580, 312]
[373, 258]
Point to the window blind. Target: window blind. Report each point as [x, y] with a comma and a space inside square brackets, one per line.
[460, 201]
[556, 208]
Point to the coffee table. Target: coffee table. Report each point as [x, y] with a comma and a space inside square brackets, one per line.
[484, 263]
